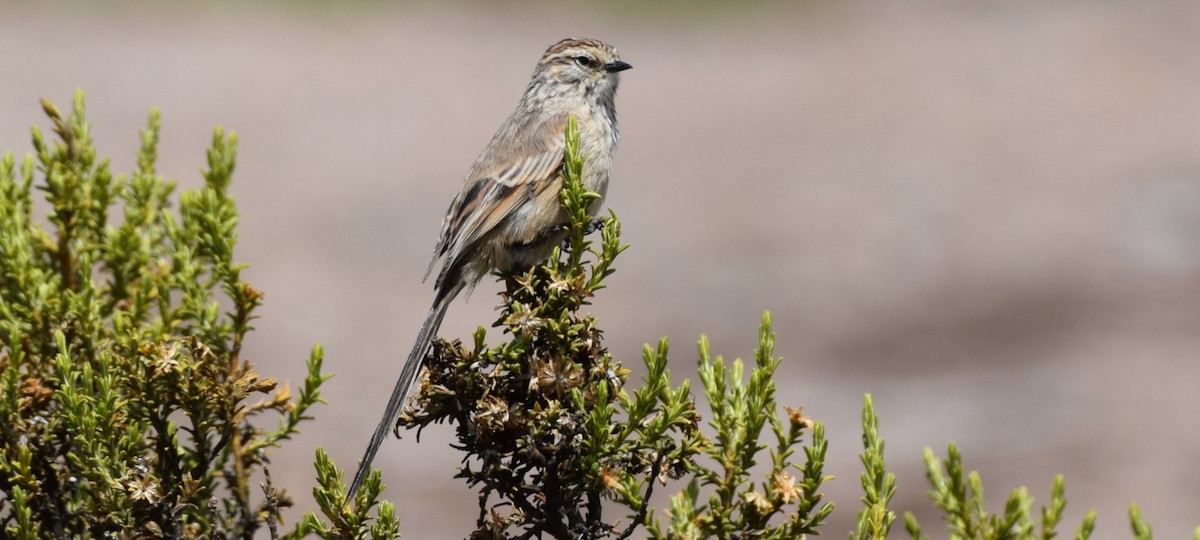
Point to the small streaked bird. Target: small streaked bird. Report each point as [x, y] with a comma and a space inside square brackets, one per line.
[507, 216]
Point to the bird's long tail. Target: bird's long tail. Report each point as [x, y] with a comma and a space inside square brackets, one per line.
[412, 367]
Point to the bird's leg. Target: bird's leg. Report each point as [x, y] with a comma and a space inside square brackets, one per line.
[593, 226]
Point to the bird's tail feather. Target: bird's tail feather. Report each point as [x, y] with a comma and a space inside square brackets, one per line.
[412, 368]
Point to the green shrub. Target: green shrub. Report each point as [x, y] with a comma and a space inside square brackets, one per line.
[126, 404]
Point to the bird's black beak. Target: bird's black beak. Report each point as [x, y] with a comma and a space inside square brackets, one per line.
[613, 67]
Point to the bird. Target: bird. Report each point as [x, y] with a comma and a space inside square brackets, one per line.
[507, 215]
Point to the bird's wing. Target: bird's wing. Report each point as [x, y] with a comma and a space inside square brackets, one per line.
[498, 187]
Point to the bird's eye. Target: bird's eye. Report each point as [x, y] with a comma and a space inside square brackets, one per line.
[585, 61]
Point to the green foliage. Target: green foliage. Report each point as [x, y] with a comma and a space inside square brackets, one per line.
[125, 401]
[345, 520]
[1141, 529]
[874, 520]
[961, 500]
[127, 407]
[735, 507]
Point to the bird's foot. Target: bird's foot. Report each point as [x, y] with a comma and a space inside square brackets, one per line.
[595, 225]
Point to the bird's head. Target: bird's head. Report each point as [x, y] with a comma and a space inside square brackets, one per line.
[590, 64]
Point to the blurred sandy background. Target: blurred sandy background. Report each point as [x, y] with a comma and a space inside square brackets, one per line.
[985, 214]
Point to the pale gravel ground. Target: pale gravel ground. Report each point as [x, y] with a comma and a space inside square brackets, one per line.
[986, 216]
